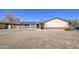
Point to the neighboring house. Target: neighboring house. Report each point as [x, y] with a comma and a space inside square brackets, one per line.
[76, 27]
[54, 24]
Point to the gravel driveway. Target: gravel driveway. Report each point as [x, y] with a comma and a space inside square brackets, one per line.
[23, 39]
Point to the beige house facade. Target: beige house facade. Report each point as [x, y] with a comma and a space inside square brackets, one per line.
[55, 24]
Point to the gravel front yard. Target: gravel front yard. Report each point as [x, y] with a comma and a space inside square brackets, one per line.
[16, 39]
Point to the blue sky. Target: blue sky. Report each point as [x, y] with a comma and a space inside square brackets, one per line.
[42, 14]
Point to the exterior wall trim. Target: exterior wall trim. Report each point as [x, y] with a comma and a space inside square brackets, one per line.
[56, 27]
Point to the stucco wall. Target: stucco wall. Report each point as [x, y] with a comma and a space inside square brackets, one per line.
[56, 23]
[2, 26]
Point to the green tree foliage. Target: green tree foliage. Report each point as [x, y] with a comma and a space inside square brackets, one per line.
[74, 22]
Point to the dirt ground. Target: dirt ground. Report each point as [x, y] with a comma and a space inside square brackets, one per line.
[35, 39]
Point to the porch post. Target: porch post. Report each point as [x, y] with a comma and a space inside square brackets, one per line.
[39, 26]
[9, 26]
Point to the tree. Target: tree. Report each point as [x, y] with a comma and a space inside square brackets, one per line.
[74, 22]
[12, 18]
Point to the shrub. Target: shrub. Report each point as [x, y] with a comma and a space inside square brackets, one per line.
[69, 29]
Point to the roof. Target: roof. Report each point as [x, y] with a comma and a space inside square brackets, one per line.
[29, 23]
[55, 18]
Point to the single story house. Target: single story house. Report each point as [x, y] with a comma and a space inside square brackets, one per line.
[54, 24]
[51, 24]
